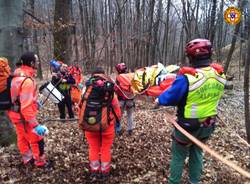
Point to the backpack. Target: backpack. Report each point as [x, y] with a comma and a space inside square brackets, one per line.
[5, 83]
[96, 104]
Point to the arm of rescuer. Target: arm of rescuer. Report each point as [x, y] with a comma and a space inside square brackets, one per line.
[116, 106]
[174, 95]
[28, 101]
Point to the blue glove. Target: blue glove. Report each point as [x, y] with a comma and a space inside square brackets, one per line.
[80, 85]
[41, 130]
[118, 128]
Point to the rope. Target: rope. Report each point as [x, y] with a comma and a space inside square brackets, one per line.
[57, 119]
[206, 148]
[134, 95]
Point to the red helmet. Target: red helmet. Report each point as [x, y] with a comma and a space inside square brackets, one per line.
[121, 68]
[198, 47]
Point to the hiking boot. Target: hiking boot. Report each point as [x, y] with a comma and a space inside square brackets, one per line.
[104, 176]
[29, 162]
[130, 132]
[45, 165]
[94, 175]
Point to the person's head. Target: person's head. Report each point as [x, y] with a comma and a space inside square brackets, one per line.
[98, 70]
[28, 59]
[121, 68]
[64, 68]
[199, 52]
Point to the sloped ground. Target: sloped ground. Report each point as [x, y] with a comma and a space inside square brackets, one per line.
[141, 158]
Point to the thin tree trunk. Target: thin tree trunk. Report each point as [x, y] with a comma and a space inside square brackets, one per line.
[212, 23]
[234, 39]
[155, 32]
[35, 42]
[246, 86]
[11, 25]
[150, 25]
[11, 40]
[62, 32]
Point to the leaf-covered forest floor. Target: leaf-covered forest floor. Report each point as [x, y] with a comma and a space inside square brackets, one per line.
[140, 158]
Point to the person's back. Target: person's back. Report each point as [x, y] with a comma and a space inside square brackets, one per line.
[196, 91]
[95, 109]
[125, 103]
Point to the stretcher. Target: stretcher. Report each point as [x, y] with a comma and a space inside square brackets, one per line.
[150, 81]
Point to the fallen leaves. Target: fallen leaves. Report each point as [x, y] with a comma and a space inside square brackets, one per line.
[142, 157]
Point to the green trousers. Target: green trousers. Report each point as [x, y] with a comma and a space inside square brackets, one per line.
[195, 154]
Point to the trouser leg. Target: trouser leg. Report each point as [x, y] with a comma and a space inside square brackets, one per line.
[37, 146]
[107, 141]
[179, 154]
[195, 164]
[94, 146]
[22, 142]
[131, 124]
[61, 107]
[68, 102]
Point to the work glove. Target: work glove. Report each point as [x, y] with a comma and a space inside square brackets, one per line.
[118, 128]
[41, 130]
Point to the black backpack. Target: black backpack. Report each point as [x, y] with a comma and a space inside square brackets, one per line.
[96, 104]
[5, 96]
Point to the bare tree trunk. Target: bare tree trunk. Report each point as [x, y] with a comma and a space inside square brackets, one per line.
[234, 39]
[62, 31]
[120, 31]
[166, 33]
[212, 23]
[246, 86]
[150, 25]
[11, 39]
[11, 26]
[76, 45]
[137, 26]
[220, 32]
[35, 42]
[155, 32]
[84, 32]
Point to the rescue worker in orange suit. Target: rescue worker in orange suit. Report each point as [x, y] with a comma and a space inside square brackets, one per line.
[65, 80]
[196, 92]
[100, 148]
[24, 110]
[125, 103]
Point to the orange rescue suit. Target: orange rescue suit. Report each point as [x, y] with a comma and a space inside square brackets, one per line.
[103, 148]
[24, 93]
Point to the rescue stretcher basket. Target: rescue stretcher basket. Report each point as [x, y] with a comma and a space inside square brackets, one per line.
[50, 91]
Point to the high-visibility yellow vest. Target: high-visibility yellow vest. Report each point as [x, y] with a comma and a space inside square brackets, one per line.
[204, 93]
[64, 86]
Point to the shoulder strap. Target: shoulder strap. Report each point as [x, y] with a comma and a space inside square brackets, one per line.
[20, 87]
[187, 70]
[113, 111]
[218, 68]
